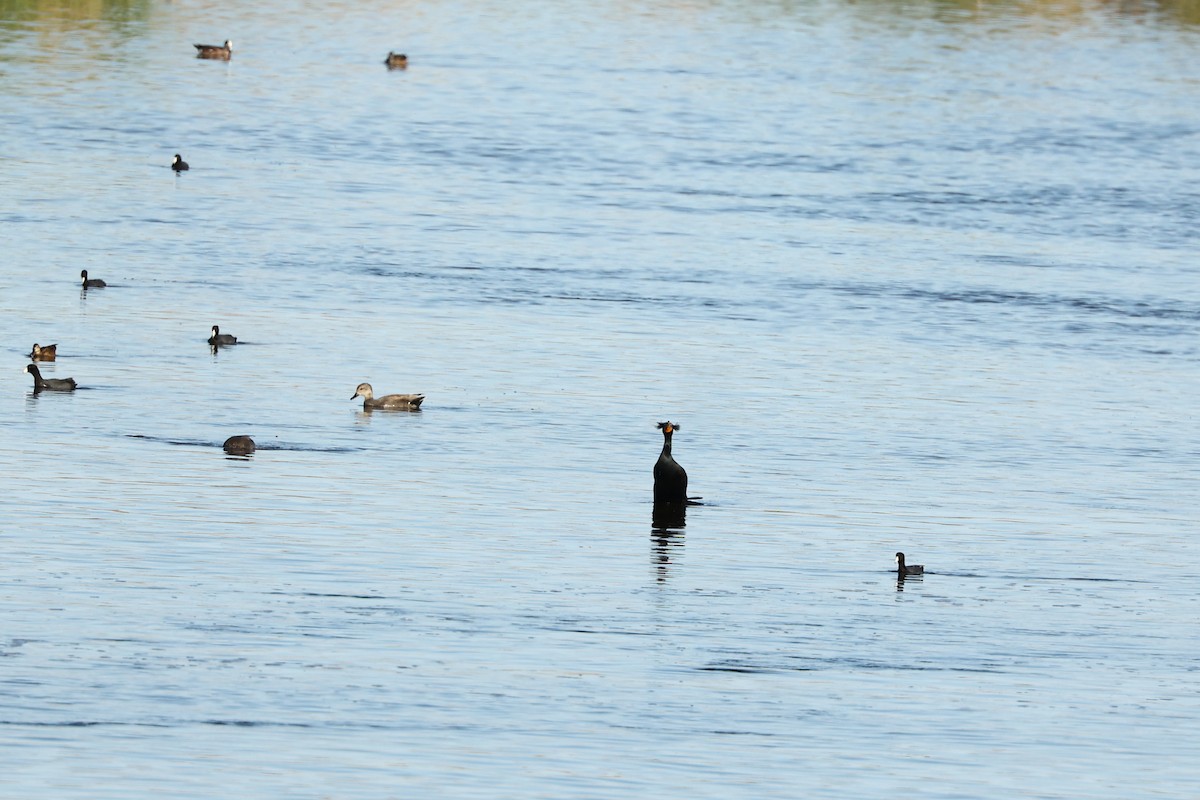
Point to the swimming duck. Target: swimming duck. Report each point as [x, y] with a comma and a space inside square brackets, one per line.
[46, 353]
[220, 338]
[91, 283]
[239, 445]
[178, 164]
[41, 384]
[670, 479]
[908, 569]
[396, 60]
[222, 52]
[409, 402]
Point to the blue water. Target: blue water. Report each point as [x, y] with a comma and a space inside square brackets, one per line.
[911, 277]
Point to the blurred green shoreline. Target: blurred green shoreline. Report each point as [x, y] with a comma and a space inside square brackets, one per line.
[1183, 12]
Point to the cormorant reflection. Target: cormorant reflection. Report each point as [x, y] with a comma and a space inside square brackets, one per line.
[666, 534]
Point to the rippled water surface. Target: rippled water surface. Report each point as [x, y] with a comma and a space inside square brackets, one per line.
[913, 277]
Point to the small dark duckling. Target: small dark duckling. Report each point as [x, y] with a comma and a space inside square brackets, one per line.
[178, 164]
[396, 60]
[402, 402]
[670, 479]
[908, 569]
[47, 353]
[219, 338]
[41, 384]
[239, 445]
[220, 52]
[91, 283]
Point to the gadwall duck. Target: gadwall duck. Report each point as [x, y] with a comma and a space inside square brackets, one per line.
[239, 445]
[178, 164]
[91, 283]
[409, 402]
[41, 384]
[221, 52]
[908, 569]
[46, 353]
[219, 338]
[670, 479]
[396, 60]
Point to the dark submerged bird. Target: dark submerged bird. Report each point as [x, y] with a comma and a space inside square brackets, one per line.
[399, 402]
[221, 52]
[41, 384]
[908, 569]
[670, 479]
[178, 164]
[91, 283]
[396, 60]
[219, 338]
[239, 445]
[47, 353]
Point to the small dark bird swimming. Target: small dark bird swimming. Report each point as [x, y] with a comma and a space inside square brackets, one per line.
[41, 384]
[220, 52]
[239, 445]
[178, 164]
[91, 283]
[670, 479]
[908, 569]
[396, 60]
[220, 338]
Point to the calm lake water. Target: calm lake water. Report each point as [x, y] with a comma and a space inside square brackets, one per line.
[915, 276]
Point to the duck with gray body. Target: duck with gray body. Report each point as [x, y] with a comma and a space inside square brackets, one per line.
[40, 353]
[904, 569]
[395, 402]
[41, 384]
[239, 445]
[670, 479]
[178, 164]
[219, 52]
[91, 283]
[219, 338]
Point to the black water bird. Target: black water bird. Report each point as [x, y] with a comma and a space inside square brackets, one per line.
[908, 569]
[670, 479]
[219, 338]
[91, 283]
[219, 52]
[41, 384]
[239, 445]
[178, 164]
[40, 353]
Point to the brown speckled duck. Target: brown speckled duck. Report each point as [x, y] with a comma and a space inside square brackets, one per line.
[220, 52]
[40, 353]
[396, 60]
[398, 402]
